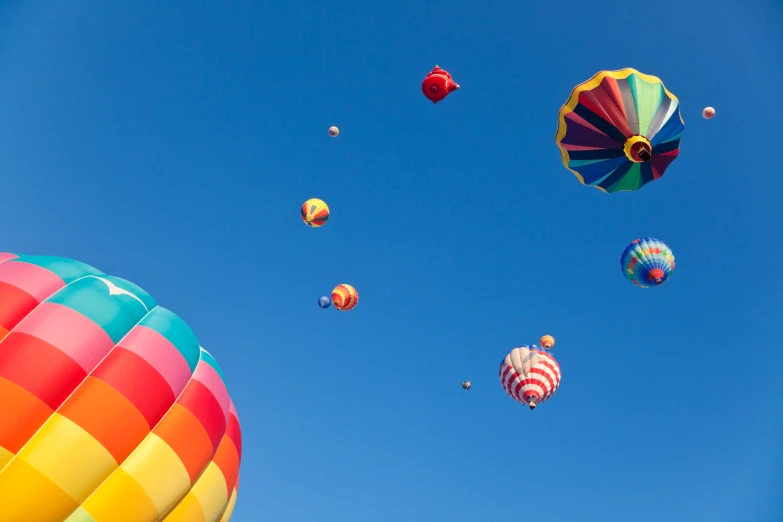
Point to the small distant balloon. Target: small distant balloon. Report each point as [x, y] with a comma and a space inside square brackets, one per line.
[647, 262]
[547, 342]
[333, 131]
[344, 297]
[315, 213]
[466, 385]
[438, 84]
[708, 113]
[324, 302]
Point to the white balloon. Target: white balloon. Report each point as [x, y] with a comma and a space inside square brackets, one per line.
[333, 131]
[708, 113]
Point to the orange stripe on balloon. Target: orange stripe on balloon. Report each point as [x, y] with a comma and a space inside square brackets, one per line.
[227, 459]
[108, 416]
[181, 430]
[21, 414]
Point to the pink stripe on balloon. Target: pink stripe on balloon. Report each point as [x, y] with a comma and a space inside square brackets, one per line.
[233, 409]
[568, 146]
[72, 333]
[5, 256]
[160, 354]
[33, 279]
[209, 377]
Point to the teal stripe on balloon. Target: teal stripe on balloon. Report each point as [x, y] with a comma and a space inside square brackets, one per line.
[68, 270]
[139, 292]
[90, 296]
[207, 358]
[178, 333]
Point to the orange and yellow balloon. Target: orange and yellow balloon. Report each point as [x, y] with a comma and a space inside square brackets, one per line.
[315, 213]
[547, 342]
[344, 297]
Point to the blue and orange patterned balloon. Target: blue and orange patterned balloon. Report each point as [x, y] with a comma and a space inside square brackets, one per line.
[647, 262]
[109, 407]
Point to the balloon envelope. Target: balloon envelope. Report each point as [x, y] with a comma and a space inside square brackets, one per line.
[324, 302]
[438, 84]
[315, 213]
[110, 408]
[647, 262]
[530, 375]
[344, 297]
[619, 130]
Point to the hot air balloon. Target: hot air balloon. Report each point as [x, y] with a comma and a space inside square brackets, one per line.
[110, 408]
[547, 342]
[437, 85]
[708, 113]
[647, 262]
[324, 302]
[333, 131]
[530, 375]
[344, 297]
[619, 130]
[315, 213]
[466, 385]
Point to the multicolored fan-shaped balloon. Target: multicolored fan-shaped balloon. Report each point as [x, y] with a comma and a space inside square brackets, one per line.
[344, 297]
[109, 408]
[315, 213]
[619, 130]
[647, 262]
[530, 375]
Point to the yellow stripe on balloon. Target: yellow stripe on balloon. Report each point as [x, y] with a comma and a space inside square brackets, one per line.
[69, 456]
[80, 515]
[23, 486]
[121, 499]
[189, 510]
[211, 492]
[159, 471]
[230, 508]
[5, 457]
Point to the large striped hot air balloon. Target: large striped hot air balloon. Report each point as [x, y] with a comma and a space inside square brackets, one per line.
[109, 408]
[619, 130]
[530, 375]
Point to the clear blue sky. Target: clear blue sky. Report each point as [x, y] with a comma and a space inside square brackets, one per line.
[172, 144]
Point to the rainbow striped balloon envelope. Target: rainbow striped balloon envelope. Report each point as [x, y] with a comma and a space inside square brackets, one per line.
[109, 408]
[619, 130]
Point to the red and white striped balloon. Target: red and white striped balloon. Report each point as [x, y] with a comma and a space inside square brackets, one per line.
[530, 375]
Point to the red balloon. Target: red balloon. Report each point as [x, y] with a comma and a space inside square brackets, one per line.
[438, 84]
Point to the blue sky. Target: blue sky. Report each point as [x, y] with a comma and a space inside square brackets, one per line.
[173, 145]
